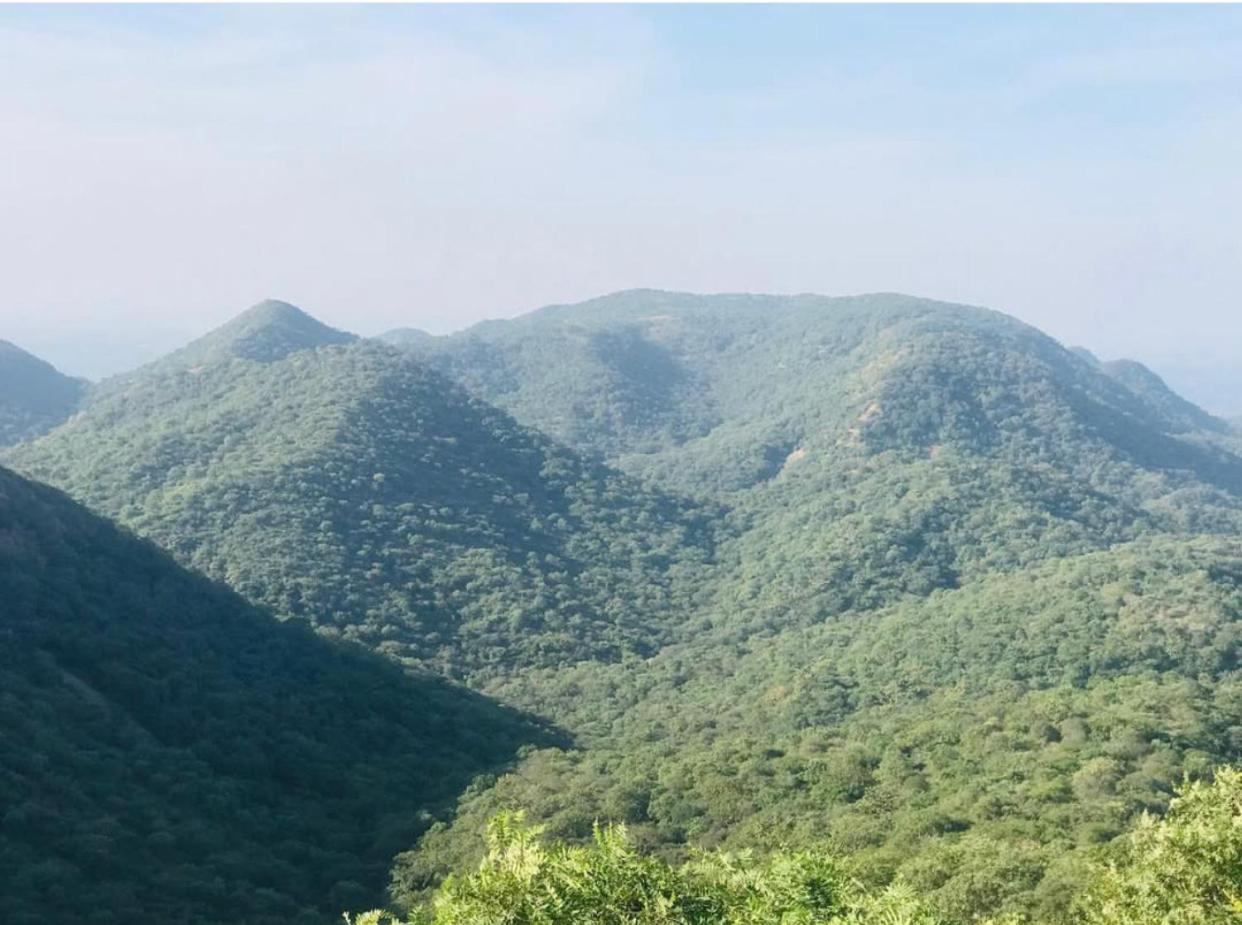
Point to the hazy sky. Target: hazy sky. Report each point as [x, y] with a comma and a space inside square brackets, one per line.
[161, 168]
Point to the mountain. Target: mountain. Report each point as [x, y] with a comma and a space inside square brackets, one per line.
[902, 574]
[404, 337]
[342, 482]
[34, 395]
[719, 391]
[977, 606]
[169, 753]
[869, 446]
[266, 332]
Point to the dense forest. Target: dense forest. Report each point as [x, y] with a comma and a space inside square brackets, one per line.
[171, 754]
[898, 596]
[356, 488]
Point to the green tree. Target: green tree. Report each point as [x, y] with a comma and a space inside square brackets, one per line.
[1183, 869]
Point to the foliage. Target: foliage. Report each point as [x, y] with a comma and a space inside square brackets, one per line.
[1182, 869]
[1030, 717]
[170, 754]
[521, 881]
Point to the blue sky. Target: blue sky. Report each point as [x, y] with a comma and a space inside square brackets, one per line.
[164, 167]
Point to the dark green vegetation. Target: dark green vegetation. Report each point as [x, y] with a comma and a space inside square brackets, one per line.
[1184, 869]
[903, 578]
[34, 396]
[170, 754]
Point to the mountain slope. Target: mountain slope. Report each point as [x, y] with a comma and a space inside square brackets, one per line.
[980, 741]
[349, 485]
[34, 396]
[171, 754]
[948, 534]
[869, 446]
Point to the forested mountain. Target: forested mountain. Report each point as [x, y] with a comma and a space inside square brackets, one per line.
[168, 753]
[868, 446]
[720, 390]
[34, 396]
[904, 576]
[950, 627]
[345, 483]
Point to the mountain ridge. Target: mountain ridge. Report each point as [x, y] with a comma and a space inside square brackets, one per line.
[643, 353]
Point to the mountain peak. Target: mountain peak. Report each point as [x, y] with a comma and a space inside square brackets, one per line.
[405, 337]
[274, 310]
[267, 331]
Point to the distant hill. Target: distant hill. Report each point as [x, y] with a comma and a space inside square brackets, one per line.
[343, 482]
[171, 754]
[1153, 390]
[404, 337]
[34, 396]
[870, 445]
[266, 332]
[719, 390]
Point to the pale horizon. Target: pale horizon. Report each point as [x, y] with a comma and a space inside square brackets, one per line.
[434, 167]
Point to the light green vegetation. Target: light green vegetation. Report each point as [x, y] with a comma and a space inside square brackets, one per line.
[1183, 869]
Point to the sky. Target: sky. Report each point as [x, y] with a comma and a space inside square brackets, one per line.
[164, 167]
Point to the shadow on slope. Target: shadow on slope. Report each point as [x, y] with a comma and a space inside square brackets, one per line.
[169, 753]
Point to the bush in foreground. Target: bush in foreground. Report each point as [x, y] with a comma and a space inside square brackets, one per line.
[1182, 869]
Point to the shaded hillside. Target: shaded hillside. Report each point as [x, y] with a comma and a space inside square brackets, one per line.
[34, 396]
[350, 485]
[171, 754]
